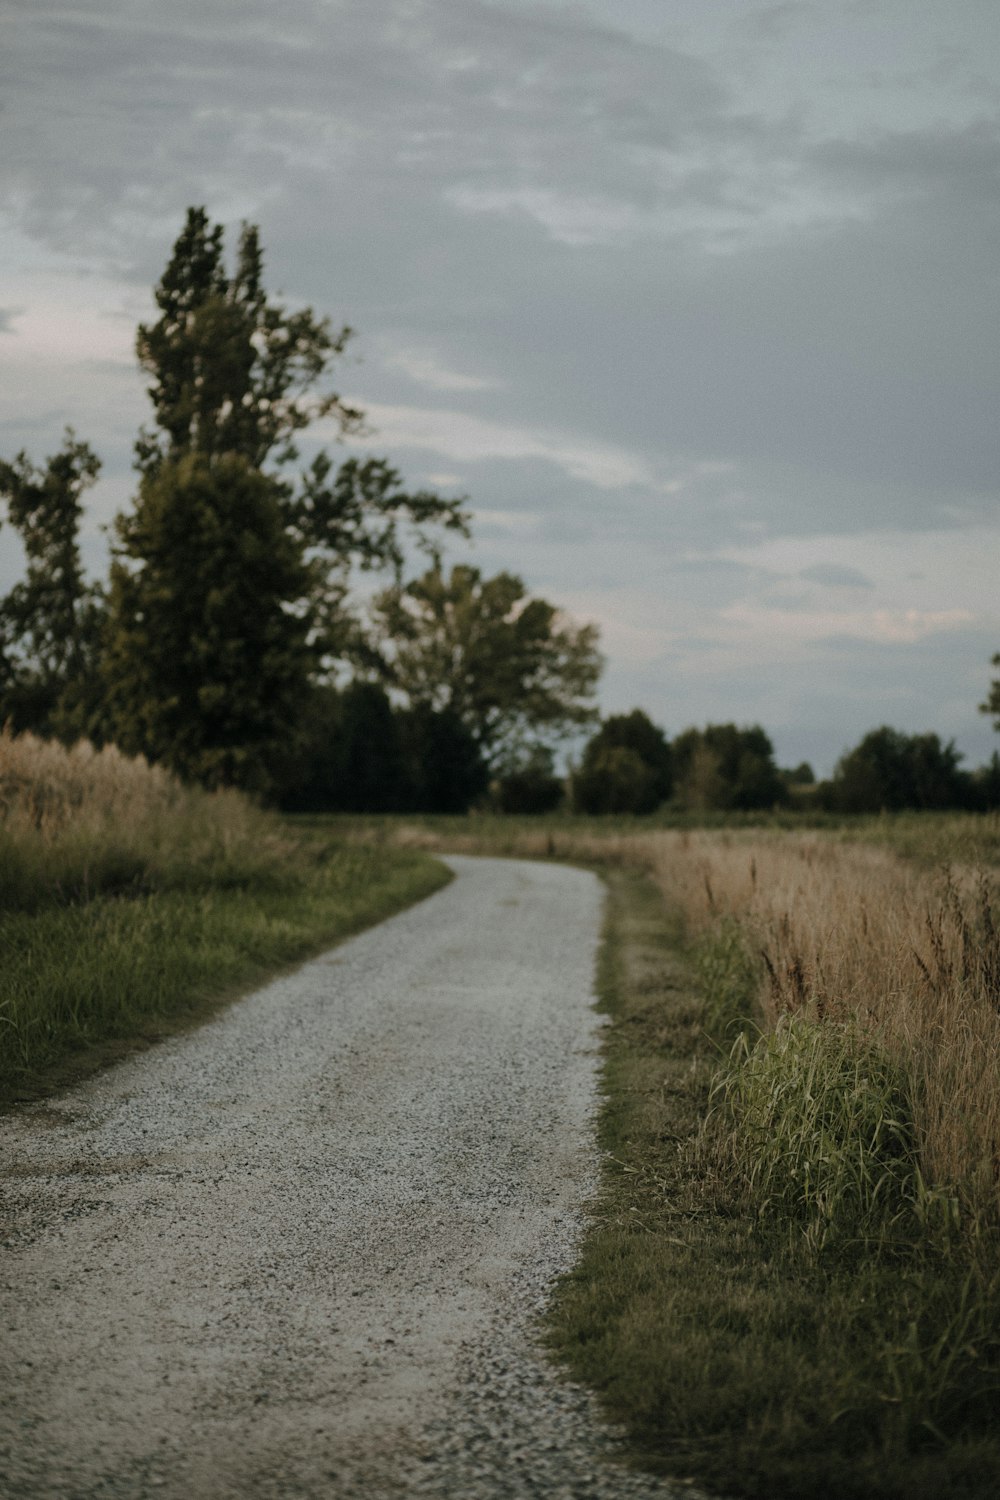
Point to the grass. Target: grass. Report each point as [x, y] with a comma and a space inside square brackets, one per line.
[131, 907]
[789, 1285]
[760, 1339]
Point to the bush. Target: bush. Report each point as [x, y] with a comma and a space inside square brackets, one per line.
[533, 790]
[615, 780]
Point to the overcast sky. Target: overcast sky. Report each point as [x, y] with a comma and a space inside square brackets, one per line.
[697, 300]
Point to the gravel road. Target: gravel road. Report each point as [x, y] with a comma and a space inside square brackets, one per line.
[302, 1251]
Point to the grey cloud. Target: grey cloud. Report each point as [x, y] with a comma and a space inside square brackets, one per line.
[7, 316]
[833, 575]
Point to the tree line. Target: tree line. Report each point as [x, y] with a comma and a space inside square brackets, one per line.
[226, 641]
[629, 766]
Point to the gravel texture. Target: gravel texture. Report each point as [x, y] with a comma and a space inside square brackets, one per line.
[302, 1251]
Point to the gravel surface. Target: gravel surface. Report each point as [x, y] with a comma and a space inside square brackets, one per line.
[302, 1251]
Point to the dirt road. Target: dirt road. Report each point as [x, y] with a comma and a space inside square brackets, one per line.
[301, 1251]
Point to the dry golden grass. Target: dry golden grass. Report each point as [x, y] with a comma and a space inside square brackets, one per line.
[851, 932]
[80, 820]
[839, 929]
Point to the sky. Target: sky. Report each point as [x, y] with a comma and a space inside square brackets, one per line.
[696, 300]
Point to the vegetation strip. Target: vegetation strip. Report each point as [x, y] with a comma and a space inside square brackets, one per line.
[131, 907]
[741, 1346]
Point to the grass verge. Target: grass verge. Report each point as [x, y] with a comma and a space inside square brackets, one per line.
[742, 1347]
[89, 977]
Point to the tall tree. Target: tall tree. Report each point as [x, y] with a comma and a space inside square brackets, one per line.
[231, 371]
[230, 580]
[206, 662]
[512, 668]
[49, 622]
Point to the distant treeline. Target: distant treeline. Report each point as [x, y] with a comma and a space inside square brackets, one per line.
[629, 766]
[357, 752]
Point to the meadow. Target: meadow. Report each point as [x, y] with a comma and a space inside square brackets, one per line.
[789, 1284]
[131, 906]
[789, 1281]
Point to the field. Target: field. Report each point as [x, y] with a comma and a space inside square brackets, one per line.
[131, 906]
[790, 1282]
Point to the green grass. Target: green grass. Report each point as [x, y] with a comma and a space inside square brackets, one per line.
[743, 1343]
[90, 974]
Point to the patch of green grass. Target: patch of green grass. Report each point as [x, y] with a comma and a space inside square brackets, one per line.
[737, 1348]
[85, 980]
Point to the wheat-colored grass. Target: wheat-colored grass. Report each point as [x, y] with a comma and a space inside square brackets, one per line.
[77, 821]
[852, 933]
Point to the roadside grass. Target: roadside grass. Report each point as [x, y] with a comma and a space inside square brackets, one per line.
[131, 907]
[790, 1281]
[748, 1337]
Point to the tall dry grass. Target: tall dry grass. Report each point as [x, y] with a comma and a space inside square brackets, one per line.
[853, 934]
[77, 822]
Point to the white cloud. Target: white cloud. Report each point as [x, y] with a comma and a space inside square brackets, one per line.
[464, 438]
[426, 369]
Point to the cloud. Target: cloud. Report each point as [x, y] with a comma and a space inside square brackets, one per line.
[425, 369]
[834, 576]
[462, 437]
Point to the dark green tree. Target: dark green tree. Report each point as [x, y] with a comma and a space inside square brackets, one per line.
[510, 666]
[724, 766]
[627, 767]
[531, 787]
[50, 622]
[889, 771]
[231, 371]
[231, 579]
[206, 661]
[615, 779]
[445, 771]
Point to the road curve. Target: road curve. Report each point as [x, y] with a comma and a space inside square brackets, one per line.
[300, 1251]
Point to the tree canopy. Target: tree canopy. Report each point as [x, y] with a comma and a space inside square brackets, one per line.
[510, 666]
[230, 579]
[49, 622]
[627, 766]
[891, 770]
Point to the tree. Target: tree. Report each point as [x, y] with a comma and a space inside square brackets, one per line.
[231, 580]
[723, 766]
[627, 767]
[206, 662]
[615, 779]
[511, 667]
[50, 622]
[889, 770]
[231, 371]
[445, 771]
[532, 787]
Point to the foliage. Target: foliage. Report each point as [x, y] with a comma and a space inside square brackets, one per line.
[130, 903]
[50, 622]
[508, 665]
[723, 766]
[531, 788]
[355, 752]
[445, 770]
[891, 770]
[231, 371]
[627, 766]
[206, 663]
[992, 704]
[230, 583]
[614, 779]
